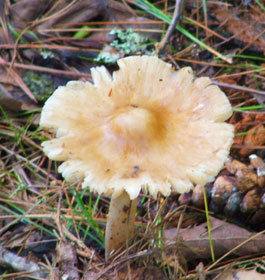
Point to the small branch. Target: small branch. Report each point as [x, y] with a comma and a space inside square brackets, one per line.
[44, 69]
[240, 88]
[161, 46]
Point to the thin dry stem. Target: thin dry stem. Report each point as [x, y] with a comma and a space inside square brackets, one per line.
[160, 47]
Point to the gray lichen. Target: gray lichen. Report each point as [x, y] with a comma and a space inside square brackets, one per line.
[125, 42]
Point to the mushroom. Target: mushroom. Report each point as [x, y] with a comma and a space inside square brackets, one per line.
[146, 127]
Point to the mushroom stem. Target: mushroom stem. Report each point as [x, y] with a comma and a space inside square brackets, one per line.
[120, 223]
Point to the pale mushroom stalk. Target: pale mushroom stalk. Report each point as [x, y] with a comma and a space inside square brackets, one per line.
[120, 223]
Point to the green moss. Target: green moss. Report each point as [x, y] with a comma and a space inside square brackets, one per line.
[40, 85]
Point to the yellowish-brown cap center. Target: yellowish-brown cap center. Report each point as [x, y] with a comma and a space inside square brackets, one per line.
[132, 127]
[134, 122]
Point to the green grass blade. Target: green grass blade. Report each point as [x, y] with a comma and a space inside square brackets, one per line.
[249, 108]
[82, 33]
[260, 5]
[208, 224]
[87, 214]
[253, 57]
[24, 219]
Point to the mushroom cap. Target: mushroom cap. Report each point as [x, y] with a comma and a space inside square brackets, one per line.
[147, 126]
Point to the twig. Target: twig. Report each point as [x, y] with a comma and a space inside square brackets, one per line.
[207, 29]
[161, 46]
[251, 90]
[45, 69]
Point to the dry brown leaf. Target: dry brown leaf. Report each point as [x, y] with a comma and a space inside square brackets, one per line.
[241, 126]
[76, 12]
[24, 11]
[255, 137]
[67, 258]
[141, 273]
[260, 118]
[7, 101]
[244, 25]
[225, 237]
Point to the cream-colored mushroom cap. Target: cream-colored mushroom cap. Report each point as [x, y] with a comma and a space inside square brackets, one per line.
[147, 126]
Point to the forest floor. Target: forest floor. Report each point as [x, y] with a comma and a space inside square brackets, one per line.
[50, 229]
